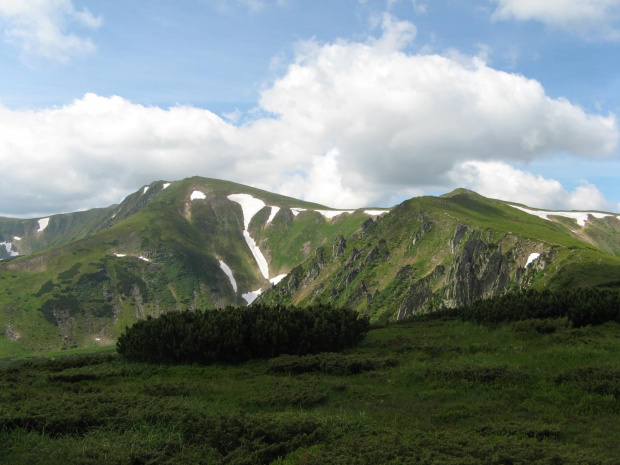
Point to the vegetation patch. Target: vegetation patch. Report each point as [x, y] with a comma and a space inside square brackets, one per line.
[234, 334]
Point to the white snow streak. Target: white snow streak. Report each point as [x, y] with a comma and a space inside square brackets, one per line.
[531, 258]
[166, 184]
[120, 254]
[228, 272]
[146, 188]
[297, 211]
[9, 249]
[277, 279]
[581, 217]
[274, 212]
[250, 206]
[197, 195]
[43, 222]
[375, 212]
[251, 296]
[17, 238]
[144, 258]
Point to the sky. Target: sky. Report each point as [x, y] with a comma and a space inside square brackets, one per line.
[347, 103]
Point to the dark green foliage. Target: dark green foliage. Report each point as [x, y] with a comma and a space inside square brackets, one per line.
[47, 286]
[71, 272]
[332, 363]
[234, 334]
[60, 303]
[581, 307]
[488, 395]
[598, 379]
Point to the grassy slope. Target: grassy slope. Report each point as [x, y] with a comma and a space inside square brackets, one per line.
[431, 221]
[459, 394]
[184, 241]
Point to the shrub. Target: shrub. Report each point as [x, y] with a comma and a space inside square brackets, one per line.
[234, 334]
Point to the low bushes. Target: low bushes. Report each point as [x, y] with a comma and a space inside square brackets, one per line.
[580, 307]
[332, 363]
[235, 334]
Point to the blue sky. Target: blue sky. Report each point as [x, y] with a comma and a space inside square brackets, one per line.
[348, 103]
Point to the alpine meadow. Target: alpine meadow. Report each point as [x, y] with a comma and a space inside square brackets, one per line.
[310, 232]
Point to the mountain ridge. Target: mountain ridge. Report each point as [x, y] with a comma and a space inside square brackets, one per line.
[202, 242]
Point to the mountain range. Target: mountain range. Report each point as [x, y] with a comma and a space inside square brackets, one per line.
[78, 279]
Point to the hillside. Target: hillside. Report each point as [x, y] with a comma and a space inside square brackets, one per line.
[169, 246]
[437, 392]
[195, 243]
[435, 252]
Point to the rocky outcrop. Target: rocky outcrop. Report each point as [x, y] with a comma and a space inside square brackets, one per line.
[339, 246]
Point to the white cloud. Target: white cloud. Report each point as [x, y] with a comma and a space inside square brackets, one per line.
[40, 28]
[595, 18]
[352, 124]
[501, 181]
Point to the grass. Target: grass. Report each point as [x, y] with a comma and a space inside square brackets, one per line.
[436, 392]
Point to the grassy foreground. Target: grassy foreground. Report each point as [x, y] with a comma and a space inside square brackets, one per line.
[437, 392]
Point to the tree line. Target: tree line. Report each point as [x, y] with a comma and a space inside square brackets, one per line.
[581, 306]
[234, 334]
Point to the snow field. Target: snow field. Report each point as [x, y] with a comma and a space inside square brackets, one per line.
[250, 206]
[531, 258]
[277, 279]
[251, 296]
[197, 195]
[228, 272]
[581, 217]
[43, 222]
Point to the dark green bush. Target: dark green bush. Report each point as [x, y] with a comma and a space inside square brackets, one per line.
[234, 334]
[581, 307]
[332, 363]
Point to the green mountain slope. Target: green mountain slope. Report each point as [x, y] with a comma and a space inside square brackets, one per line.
[203, 242]
[165, 247]
[430, 253]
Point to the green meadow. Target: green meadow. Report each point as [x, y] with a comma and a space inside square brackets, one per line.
[430, 392]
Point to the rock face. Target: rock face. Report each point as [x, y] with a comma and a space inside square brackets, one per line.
[414, 263]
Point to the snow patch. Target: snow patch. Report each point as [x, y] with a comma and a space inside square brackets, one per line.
[228, 272]
[580, 217]
[531, 258]
[9, 249]
[17, 238]
[277, 279]
[120, 254]
[251, 296]
[144, 258]
[197, 195]
[43, 222]
[272, 215]
[250, 206]
[297, 211]
[113, 216]
[333, 213]
[375, 212]
[146, 188]
[166, 184]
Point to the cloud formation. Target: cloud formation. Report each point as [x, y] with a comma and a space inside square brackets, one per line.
[593, 18]
[499, 180]
[349, 124]
[40, 28]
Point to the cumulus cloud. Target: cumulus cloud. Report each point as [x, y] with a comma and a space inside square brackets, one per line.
[40, 28]
[501, 181]
[348, 124]
[597, 18]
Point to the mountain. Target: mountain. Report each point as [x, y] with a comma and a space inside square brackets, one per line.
[169, 246]
[434, 252]
[80, 278]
